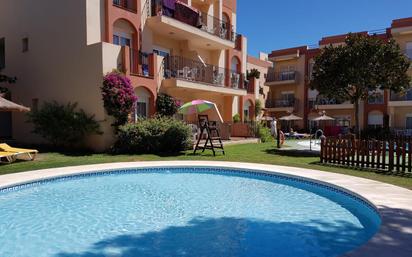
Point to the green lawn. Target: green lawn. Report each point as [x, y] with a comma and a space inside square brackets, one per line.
[255, 153]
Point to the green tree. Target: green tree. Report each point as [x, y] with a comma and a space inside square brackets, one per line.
[363, 64]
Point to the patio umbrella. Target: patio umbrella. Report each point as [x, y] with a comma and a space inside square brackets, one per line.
[199, 106]
[323, 117]
[290, 117]
[266, 118]
[9, 106]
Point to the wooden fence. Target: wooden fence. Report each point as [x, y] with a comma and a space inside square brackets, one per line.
[393, 155]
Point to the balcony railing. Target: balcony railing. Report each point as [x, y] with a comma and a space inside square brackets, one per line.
[196, 71]
[313, 102]
[125, 4]
[376, 99]
[281, 76]
[139, 63]
[281, 103]
[402, 97]
[195, 18]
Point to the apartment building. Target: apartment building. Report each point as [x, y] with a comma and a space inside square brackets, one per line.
[258, 85]
[60, 51]
[289, 90]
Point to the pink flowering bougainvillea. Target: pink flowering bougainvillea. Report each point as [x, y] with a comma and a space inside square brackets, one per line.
[118, 96]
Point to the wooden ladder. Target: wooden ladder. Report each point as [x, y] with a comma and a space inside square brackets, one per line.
[213, 140]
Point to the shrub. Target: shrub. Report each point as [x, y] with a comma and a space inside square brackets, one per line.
[118, 97]
[236, 118]
[264, 133]
[253, 73]
[166, 105]
[62, 125]
[156, 135]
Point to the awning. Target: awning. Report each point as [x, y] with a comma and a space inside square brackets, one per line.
[9, 106]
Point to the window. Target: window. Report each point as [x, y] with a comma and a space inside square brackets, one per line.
[25, 42]
[287, 99]
[161, 53]
[375, 120]
[409, 95]
[409, 122]
[142, 105]
[376, 97]
[287, 73]
[2, 53]
[121, 40]
[342, 121]
[311, 64]
[246, 112]
[409, 49]
[141, 110]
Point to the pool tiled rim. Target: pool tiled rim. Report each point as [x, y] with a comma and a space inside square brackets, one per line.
[394, 204]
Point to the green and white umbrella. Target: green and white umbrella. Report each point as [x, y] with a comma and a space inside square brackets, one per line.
[198, 106]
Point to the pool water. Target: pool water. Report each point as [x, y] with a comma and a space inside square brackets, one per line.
[181, 212]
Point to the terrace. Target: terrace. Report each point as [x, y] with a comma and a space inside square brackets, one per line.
[184, 22]
[128, 5]
[188, 73]
[399, 100]
[282, 77]
[327, 103]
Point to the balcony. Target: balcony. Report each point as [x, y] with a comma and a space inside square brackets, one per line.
[375, 99]
[282, 104]
[281, 78]
[399, 100]
[180, 72]
[128, 5]
[183, 22]
[140, 64]
[328, 104]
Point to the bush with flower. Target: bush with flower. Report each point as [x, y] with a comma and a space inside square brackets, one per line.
[118, 96]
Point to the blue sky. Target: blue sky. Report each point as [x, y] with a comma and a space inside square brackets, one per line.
[277, 24]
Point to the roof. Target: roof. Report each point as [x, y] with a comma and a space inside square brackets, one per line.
[259, 62]
[288, 51]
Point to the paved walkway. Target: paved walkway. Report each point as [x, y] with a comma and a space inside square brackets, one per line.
[393, 203]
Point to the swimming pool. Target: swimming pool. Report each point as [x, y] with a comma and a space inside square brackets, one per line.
[181, 212]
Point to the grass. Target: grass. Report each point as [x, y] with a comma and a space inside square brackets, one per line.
[254, 153]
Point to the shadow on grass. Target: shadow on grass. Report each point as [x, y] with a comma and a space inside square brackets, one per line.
[228, 236]
[292, 152]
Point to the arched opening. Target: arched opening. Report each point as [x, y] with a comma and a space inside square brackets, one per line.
[144, 100]
[235, 72]
[235, 64]
[124, 34]
[375, 119]
[248, 111]
[226, 26]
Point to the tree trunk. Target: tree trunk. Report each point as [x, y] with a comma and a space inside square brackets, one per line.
[357, 124]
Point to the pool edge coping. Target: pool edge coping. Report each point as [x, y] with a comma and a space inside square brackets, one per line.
[382, 196]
